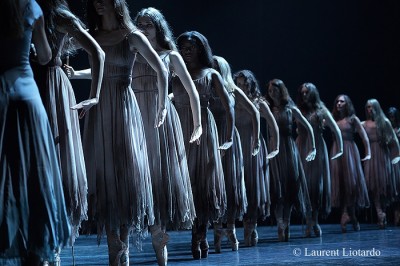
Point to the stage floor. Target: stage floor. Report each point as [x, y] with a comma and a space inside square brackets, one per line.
[370, 246]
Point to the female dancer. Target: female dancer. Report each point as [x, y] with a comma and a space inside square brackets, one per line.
[33, 218]
[378, 170]
[349, 190]
[58, 96]
[289, 185]
[316, 171]
[394, 116]
[205, 167]
[172, 192]
[114, 141]
[232, 160]
[256, 168]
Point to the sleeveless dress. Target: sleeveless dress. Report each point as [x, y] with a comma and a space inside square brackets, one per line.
[378, 170]
[172, 192]
[232, 163]
[396, 172]
[33, 216]
[347, 176]
[204, 160]
[316, 171]
[256, 168]
[288, 182]
[58, 96]
[114, 144]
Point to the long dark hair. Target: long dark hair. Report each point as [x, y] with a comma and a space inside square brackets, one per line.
[164, 33]
[249, 77]
[285, 99]
[54, 10]
[349, 108]
[121, 12]
[204, 50]
[395, 113]
[314, 103]
[383, 126]
[12, 18]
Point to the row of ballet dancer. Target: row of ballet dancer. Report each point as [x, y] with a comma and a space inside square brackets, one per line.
[146, 161]
[247, 159]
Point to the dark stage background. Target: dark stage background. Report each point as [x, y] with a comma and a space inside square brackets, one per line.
[349, 47]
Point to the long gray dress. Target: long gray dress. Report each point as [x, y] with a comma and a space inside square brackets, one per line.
[33, 216]
[378, 170]
[172, 192]
[114, 143]
[348, 180]
[288, 182]
[256, 168]
[396, 179]
[58, 96]
[232, 163]
[204, 160]
[316, 171]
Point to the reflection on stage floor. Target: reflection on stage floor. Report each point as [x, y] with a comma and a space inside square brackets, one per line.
[370, 246]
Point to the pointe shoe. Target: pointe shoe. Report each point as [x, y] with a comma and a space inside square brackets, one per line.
[254, 237]
[117, 249]
[218, 234]
[309, 225]
[231, 234]
[56, 262]
[196, 251]
[247, 235]
[159, 242]
[382, 220]
[396, 217]
[57, 259]
[204, 248]
[308, 229]
[343, 222]
[124, 259]
[356, 226]
[281, 232]
[281, 235]
[287, 233]
[317, 230]
[248, 231]
[162, 256]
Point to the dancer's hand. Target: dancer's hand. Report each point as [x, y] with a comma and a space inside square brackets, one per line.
[226, 145]
[272, 154]
[311, 155]
[69, 71]
[198, 130]
[33, 53]
[85, 106]
[255, 147]
[340, 153]
[395, 160]
[366, 157]
[160, 117]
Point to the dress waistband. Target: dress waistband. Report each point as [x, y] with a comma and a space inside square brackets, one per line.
[144, 91]
[143, 76]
